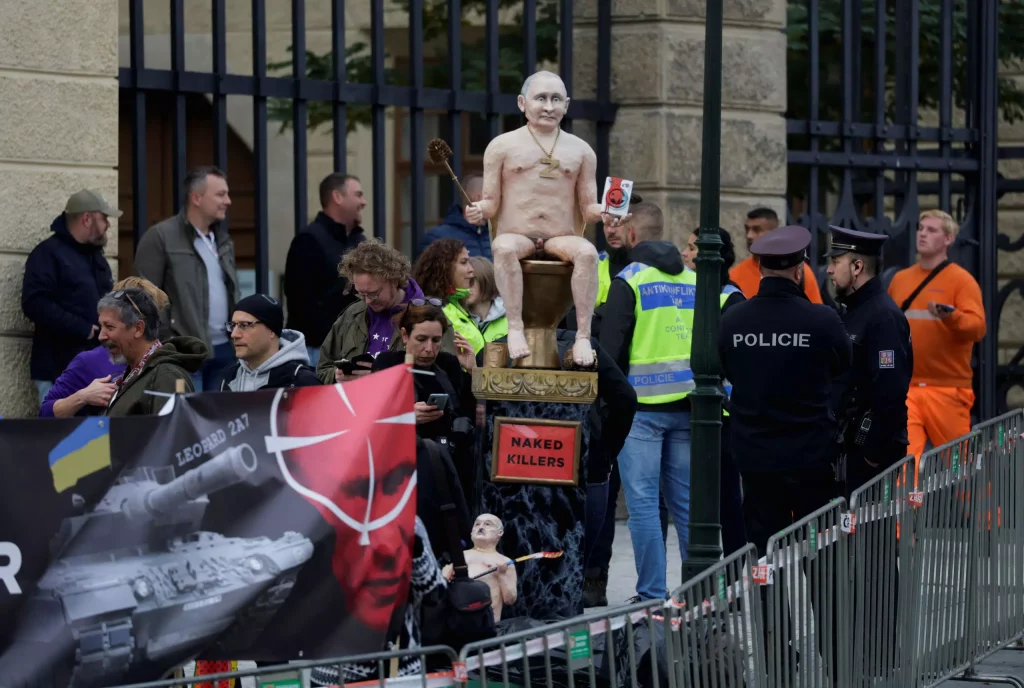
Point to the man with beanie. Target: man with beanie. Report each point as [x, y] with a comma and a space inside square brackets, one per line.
[269, 356]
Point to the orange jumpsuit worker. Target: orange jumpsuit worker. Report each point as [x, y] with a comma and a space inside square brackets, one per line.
[946, 318]
[747, 273]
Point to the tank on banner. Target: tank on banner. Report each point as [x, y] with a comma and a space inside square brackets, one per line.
[265, 526]
[126, 592]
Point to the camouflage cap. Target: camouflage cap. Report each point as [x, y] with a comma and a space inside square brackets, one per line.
[88, 201]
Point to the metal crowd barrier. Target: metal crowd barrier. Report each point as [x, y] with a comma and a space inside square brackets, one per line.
[297, 674]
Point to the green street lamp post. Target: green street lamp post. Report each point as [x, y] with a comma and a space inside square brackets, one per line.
[704, 549]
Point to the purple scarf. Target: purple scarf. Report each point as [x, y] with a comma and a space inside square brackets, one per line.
[382, 329]
[83, 369]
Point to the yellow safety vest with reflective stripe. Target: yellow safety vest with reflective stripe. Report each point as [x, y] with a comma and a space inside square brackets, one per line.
[604, 277]
[727, 291]
[495, 330]
[463, 324]
[659, 355]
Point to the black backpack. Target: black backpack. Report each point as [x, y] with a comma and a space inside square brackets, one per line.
[464, 613]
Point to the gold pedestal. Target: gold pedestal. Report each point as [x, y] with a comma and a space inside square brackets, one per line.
[552, 386]
[547, 296]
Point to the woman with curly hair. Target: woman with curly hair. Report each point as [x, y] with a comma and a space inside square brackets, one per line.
[379, 277]
[444, 271]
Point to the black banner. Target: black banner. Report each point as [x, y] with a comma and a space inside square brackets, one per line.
[270, 525]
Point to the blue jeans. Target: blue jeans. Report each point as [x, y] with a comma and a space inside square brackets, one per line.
[656, 457]
[209, 377]
[314, 355]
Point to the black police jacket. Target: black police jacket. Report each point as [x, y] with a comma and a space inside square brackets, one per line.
[782, 355]
[883, 362]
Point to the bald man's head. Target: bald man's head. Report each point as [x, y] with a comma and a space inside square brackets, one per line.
[543, 100]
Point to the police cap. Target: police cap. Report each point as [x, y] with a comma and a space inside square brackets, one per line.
[782, 248]
[851, 241]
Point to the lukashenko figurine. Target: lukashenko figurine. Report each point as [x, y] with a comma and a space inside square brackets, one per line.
[487, 531]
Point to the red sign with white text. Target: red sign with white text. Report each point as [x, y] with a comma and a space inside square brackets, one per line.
[535, 452]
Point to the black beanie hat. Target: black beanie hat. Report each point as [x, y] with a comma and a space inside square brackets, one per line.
[264, 308]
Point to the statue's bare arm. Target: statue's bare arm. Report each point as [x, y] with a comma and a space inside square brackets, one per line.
[509, 583]
[494, 160]
[586, 188]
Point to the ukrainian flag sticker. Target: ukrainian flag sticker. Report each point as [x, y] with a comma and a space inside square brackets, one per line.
[83, 452]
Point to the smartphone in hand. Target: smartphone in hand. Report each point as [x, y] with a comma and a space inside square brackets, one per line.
[440, 401]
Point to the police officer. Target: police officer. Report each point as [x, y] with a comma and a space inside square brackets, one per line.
[871, 399]
[782, 354]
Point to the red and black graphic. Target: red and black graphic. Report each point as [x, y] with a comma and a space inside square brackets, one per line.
[616, 196]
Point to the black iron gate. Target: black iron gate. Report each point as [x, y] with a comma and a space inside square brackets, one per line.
[411, 94]
[894, 108]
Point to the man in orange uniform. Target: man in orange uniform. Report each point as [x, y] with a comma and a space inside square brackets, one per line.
[747, 274]
[943, 305]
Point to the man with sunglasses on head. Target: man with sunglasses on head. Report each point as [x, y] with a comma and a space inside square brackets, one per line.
[269, 356]
[129, 321]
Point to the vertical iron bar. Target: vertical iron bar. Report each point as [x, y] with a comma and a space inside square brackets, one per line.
[340, 133]
[259, 146]
[416, 142]
[704, 548]
[987, 217]
[179, 161]
[879, 102]
[901, 92]
[138, 64]
[530, 36]
[814, 113]
[493, 86]
[565, 54]
[604, 97]
[455, 83]
[380, 216]
[220, 99]
[945, 96]
[300, 111]
[856, 31]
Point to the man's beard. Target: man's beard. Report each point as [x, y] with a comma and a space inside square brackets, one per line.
[618, 255]
[117, 359]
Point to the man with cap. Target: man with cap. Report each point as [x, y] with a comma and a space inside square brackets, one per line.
[782, 354]
[871, 399]
[65, 276]
[268, 355]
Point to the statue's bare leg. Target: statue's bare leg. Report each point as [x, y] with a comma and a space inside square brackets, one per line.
[583, 256]
[508, 250]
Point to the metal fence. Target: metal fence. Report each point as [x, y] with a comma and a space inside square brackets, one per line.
[410, 92]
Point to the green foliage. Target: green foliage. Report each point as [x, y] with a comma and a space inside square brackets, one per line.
[359, 67]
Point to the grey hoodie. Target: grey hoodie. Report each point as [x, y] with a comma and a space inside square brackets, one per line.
[497, 312]
[292, 352]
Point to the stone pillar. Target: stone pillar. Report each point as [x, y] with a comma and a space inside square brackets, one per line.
[58, 134]
[658, 81]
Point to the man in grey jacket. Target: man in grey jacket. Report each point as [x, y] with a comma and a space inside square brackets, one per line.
[192, 259]
[268, 355]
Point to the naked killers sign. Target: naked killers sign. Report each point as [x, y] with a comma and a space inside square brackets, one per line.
[544, 452]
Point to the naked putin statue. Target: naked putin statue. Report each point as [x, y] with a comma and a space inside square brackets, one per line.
[540, 185]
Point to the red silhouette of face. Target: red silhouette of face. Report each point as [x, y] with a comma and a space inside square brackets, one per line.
[360, 475]
[616, 198]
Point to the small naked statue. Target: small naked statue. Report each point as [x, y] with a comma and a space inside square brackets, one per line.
[539, 184]
[487, 531]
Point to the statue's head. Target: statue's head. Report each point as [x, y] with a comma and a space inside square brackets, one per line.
[543, 100]
[487, 530]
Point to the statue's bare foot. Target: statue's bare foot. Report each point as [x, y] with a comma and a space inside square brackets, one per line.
[582, 353]
[517, 346]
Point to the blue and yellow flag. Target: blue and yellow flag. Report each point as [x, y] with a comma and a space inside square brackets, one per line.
[84, 451]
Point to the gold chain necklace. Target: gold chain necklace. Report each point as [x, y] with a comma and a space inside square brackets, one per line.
[552, 163]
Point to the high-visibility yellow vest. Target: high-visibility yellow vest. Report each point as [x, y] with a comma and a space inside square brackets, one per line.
[461, 320]
[496, 329]
[659, 354]
[727, 291]
[604, 277]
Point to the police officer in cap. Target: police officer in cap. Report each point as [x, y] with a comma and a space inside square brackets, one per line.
[782, 354]
[871, 399]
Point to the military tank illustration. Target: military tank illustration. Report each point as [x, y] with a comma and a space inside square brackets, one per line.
[136, 581]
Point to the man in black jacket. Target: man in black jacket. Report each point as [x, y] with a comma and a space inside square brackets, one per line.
[314, 292]
[268, 355]
[65, 276]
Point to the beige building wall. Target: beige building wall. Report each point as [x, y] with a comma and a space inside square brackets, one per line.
[658, 80]
[58, 107]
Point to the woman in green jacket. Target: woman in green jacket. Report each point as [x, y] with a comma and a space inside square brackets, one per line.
[444, 270]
